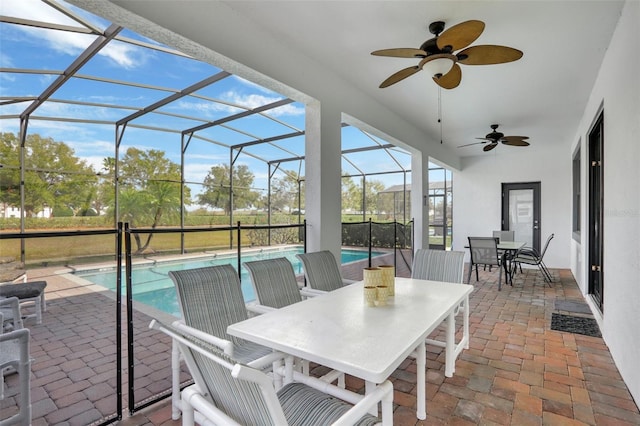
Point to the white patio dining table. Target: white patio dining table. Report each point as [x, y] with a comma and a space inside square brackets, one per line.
[340, 331]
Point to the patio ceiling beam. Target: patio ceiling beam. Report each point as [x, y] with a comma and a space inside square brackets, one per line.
[367, 148]
[247, 113]
[267, 140]
[89, 53]
[45, 25]
[346, 151]
[193, 88]
[387, 151]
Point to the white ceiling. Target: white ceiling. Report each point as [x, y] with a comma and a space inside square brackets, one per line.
[542, 95]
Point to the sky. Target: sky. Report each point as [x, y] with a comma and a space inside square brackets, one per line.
[47, 52]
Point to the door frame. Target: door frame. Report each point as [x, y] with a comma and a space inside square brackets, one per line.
[595, 246]
[536, 188]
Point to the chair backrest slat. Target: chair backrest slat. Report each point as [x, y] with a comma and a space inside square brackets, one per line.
[210, 298]
[438, 265]
[484, 250]
[274, 282]
[504, 235]
[321, 270]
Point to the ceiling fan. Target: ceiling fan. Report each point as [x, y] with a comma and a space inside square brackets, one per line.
[438, 55]
[494, 137]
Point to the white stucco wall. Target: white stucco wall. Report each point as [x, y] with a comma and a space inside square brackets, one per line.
[477, 195]
[617, 89]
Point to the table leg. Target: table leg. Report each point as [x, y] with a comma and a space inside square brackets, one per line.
[421, 373]
[450, 348]
[368, 388]
[465, 323]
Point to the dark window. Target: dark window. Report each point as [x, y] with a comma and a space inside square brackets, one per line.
[576, 195]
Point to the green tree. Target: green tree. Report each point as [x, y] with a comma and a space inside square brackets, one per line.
[216, 188]
[284, 192]
[373, 187]
[149, 191]
[54, 176]
[351, 194]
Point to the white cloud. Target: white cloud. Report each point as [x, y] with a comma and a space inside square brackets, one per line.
[255, 100]
[65, 42]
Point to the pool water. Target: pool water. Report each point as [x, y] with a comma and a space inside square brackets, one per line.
[152, 285]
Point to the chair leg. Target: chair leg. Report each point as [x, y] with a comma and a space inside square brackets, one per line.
[477, 277]
[545, 272]
[176, 403]
[470, 271]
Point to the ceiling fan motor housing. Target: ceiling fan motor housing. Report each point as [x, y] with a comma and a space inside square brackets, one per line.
[495, 136]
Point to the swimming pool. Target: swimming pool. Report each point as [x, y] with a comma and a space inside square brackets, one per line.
[152, 286]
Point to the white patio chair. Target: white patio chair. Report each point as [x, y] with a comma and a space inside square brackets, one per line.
[11, 314]
[14, 356]
[322, 272]
[211, 299]
[440, 265]
[231, 393]
[30, 293]
[275, 286]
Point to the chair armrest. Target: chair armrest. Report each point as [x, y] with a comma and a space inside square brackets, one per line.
[383, 393]
[225, 345]
[309, 292]
[259, 309]
[528, 251]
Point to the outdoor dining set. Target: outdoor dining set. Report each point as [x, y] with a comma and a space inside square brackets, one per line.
[250, 362]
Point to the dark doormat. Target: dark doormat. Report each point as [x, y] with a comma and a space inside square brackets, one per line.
[572, 306]
[573, 324]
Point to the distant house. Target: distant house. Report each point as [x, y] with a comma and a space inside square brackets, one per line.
[7, 211]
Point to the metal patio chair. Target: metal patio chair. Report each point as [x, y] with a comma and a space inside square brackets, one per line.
[231, 393]
[530, 256]
[484, 251]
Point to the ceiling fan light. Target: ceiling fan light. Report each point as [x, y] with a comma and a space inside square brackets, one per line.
[437, 65]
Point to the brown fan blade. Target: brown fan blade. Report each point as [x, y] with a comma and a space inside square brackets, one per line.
[460, 35]
[488, 54]
[401, 52]
[400, 75]
[451, 79]
[515, 140]
[490, 146]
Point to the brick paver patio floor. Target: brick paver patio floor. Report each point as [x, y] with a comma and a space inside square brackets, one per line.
[517, 370]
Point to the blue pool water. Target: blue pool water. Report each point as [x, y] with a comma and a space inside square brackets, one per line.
[152, 285]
